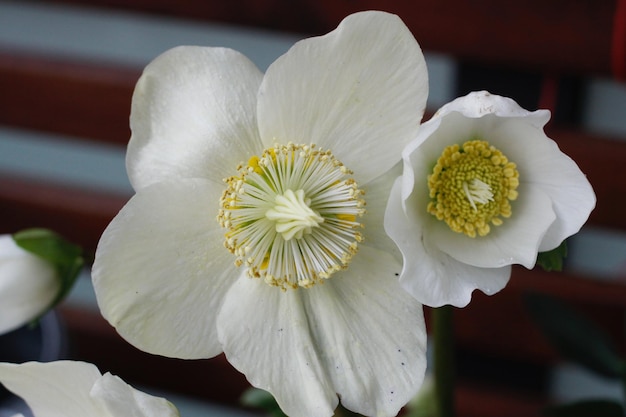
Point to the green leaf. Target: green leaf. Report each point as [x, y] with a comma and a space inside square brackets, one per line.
[66, 257]
[595, 408]
[574, 336]
[258, 398]
[553, 260]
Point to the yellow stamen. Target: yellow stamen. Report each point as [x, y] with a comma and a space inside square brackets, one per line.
[471, 187]
[291, 216]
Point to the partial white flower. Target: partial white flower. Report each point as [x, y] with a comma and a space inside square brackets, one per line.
[483, 188]
[28, 285]
[78, 389]
[294, 281]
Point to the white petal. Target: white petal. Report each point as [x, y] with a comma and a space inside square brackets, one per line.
[370, 335]
[161, 270]
[53, 389]
[359, 91]
[193, 115]
[430, 275]
[266, 335]
[122, 400]
[514, 242]
[28, 284]
[376, 196]
[290, 343]
[542, 165]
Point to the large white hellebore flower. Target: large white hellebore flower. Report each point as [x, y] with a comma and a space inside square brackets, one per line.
[248, 232]
[28, 285]
[78, 389]
[483, 188]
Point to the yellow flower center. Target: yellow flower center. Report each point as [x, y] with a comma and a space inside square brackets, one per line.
[471, 187]
[291, 215]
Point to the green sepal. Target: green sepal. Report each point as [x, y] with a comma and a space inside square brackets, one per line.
[66, 257]
[574, 336]
[258, 398]
[595, 408]
[553, 260]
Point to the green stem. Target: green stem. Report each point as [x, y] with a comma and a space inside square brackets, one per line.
[343, 412]
[443, 355]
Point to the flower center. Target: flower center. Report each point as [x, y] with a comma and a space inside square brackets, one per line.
[471, 187]
[291, 215]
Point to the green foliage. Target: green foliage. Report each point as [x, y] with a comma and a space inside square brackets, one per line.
[595, 408]
[575, 337]
[66, 257]
[258, 398]
[553, 260]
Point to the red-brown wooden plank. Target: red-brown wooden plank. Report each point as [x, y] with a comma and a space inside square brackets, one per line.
[556, 35]
[68, 97]
[78, 214]
[500, 325]
[602, 160]
[93, 340]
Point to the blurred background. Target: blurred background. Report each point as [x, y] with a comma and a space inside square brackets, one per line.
[67, 71]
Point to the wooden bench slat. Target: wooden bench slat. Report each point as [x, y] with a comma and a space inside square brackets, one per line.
[66, 97]
[560, 36]
[78, 214]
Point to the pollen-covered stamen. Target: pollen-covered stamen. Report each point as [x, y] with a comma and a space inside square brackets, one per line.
[291, 215]
[471, 187]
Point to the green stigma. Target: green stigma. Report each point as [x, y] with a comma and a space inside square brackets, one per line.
[471, 187]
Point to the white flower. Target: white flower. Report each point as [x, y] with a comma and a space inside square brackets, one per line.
[293, 281]
[483, 188]
[77, 389]
[28, 285]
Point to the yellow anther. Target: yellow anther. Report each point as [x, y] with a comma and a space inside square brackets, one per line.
[291, 216]
[471, 187]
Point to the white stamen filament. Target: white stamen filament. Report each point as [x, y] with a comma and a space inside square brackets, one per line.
[477, 192]
[292, 215]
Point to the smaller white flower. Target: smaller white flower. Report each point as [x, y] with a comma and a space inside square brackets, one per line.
[78, 389]
[483, 188]
[28, 285]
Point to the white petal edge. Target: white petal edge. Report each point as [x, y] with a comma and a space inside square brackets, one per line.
[265, 335]
[369, 334]
[122, 400]
[53, 389]
[193, 114]
[28, 284]
[161, 270]
[431, 276]
[359, 91]
[477, 104]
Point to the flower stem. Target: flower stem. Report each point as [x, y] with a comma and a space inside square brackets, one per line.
[443, 332]
[343, 412]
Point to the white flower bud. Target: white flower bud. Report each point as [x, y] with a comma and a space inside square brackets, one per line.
[28, 285]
